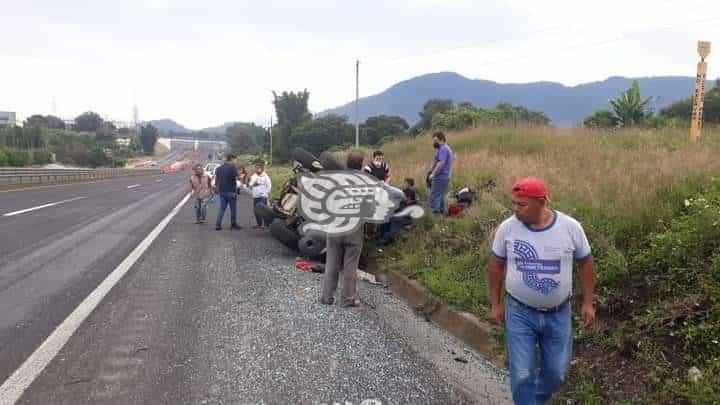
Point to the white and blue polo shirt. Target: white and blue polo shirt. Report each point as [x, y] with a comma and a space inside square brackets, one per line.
[539, 262]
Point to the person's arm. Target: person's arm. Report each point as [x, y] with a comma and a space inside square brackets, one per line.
[586, 273]
[496, 275]
[587, 285]
[269, 184]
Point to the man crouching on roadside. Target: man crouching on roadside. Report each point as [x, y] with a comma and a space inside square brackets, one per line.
[533, 256]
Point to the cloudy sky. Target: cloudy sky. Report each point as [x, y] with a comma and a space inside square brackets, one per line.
[206, 62]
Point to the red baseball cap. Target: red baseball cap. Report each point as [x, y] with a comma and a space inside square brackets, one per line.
[530, 187]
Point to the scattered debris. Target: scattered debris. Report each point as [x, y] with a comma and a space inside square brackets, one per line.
[694, 374]
[303, 265]
[461, 360]
[370, 278]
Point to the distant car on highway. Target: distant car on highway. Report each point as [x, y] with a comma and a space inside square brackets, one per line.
[210, 169]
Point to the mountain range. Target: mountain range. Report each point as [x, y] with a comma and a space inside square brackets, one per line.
[167, 126]
[564, 105]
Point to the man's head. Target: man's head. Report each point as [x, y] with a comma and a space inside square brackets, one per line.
[198, 170]
[438, 139]
[355, 160]
[259, 167]
[378, 157]
[529, 199]
[230, 158]
[410, 183]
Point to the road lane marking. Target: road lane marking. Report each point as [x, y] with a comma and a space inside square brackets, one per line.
[9, 214]
[133, 186]
[13, 388]
[158, 180]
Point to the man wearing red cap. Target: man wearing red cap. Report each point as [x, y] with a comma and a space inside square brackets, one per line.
[533, 257]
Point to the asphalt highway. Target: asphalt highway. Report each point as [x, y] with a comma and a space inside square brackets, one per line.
[199, 316]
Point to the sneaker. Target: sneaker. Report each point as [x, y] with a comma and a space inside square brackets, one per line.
[329, 302]
[235, 226]
[218, 228]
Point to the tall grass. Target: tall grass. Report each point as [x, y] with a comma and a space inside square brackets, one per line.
[624, 186]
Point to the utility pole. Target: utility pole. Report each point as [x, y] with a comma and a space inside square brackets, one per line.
[357, 107]
[698, 99]
[271, 130]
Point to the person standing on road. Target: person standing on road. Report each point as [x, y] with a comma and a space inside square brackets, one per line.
[533, 256]
[201, 191]
[261, 186]
[226, 177]
[378, 167]
[439, 176]
[343, 254]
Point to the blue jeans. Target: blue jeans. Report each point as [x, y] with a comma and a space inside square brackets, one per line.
[526, 329]
[225, 200]
[200, 209]
[260, 200]
[438, 190]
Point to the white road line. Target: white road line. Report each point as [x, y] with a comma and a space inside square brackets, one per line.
[133, 186]
[9, 214]
[13, 388]
[158, 180]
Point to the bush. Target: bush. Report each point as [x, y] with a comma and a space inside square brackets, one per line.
[3, 158]
[41, 157]
[19, 158]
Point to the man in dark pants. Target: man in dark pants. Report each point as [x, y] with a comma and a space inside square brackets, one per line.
[396, 224]
[226, 188]
[343, 254]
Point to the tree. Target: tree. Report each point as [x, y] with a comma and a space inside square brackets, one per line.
[323, 133]
[629, 107]
[380, 126]
[601, 119]
[432, 107]
[242, 138]
[291, 110]
[148, 138]
[88, 122]
[47, 121]
[682, 109]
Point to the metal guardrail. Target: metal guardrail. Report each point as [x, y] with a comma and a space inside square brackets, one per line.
[15, 176]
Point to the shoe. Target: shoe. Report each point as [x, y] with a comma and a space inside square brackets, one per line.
[329, 302]
[351, 303]
[235, 226]
[218, 228]
[198, 222]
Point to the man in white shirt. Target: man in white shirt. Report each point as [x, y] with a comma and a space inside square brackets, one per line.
[533, 257]
[261, 186]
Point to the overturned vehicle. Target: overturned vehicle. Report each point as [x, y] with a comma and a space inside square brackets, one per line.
[357, 198]
[282, 213]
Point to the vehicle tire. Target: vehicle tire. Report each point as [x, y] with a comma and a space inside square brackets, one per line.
[265, 212]
[307, 159]
[283, 234]
[330, 162]
[311, 245]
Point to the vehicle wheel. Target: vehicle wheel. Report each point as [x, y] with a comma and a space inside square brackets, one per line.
[330, 162]
[283, 234]
[265, 212]
[307, 159]
[311, 245]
